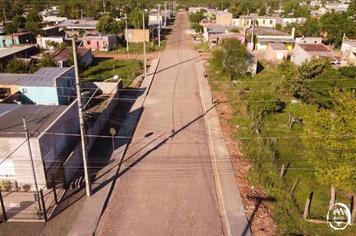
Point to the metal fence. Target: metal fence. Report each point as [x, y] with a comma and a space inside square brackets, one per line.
[22, 205]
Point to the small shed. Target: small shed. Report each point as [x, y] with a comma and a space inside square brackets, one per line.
[276, 52]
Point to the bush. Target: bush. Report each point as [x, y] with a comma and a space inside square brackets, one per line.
[5, 185]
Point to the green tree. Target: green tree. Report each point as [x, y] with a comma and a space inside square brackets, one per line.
[10, 28]
[329, 136]
[262, 11]
[235, 59]
[19, 22]
[135, 18]
[17, 66]
[108, 25]
[32, 26]
[46, 61]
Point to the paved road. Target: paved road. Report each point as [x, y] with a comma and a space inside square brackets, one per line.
[166, 184]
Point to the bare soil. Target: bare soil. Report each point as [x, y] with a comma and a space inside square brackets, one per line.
[258, 212]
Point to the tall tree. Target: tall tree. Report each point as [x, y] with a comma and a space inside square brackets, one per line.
[329, 136]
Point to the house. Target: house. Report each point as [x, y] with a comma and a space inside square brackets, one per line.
[247, 21]
[23, 51]
[137, 35]
[49, 42]
[266, 35]
[309, 40]
[100, 42]
[348, 51]
[213, 29]
[8, 84]
[48, 86]
[155, 19]
[305, 52]
[85, 57]
[290, 20]
[223, 18]
[53, 19]
[276, 52]
[216, 39]
[51, 31]
[16, 39]
[48, 150]
[79, 27]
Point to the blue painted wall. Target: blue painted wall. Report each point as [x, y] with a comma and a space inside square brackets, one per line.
[6, 42]
[41, 95]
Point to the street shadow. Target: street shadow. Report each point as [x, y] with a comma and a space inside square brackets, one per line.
[259, 200]
[177, 64]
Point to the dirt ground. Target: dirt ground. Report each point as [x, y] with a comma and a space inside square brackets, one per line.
[258, 212]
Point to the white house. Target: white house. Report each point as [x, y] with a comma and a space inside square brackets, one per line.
[49, 41]
[305, 52]
[348, 51]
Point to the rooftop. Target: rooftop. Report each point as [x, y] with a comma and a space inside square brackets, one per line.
[267, 31]
[38, 117]
[8, 51]
[314, 47]
[351, 42]
[11, 79]
[277, 46]
[66, 52]
[44, 77]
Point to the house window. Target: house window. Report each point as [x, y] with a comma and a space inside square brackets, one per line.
[88, 42]
[264, 21]
[271, 22]
[24, 90]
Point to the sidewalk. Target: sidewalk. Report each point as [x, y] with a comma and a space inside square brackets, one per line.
[231, 208]
[88, 218]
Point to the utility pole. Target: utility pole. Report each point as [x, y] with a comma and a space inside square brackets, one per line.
[81, 121]
[144, 44]
[31, 158]
[127, 36]
[4, 12]
[104, 6]
[165, 14]
[159, 23]
[81, 14]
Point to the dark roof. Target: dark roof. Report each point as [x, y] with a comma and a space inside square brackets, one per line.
[11, 79]
[267, 31]
[314, 47]
[65, 53]
[38, 118]
[44, 77]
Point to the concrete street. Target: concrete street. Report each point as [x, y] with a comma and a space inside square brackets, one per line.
[166, 184]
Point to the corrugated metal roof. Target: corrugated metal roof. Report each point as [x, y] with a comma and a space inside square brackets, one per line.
[38, 118]
[314, 47]
[44, 77]
[11, 79]
[5, 52]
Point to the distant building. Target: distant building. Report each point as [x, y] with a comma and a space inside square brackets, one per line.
[16, 39]
[348, 51]
[305, 52]
[255, 20]
[20, 51]
[137, 35]
[48, 86]
[51, 31]
[79, 27]
[290, 20]
[85, 57]
[309, 40]
[49, 151]
[49, 42]
[276, 52]
[223, 18]
[267, 35]
[100, 42]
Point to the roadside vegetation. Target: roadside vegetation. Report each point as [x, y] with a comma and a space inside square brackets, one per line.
[126, 70]
[296, 127]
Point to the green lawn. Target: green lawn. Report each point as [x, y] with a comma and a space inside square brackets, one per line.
[267, 158]
[127, 70]
[137, 48]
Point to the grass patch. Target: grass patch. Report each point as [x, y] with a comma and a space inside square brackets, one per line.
[137, 48]
[267, 157]
[127, 70]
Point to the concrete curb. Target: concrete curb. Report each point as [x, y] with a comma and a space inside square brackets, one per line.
[231, 208]
[88, 218]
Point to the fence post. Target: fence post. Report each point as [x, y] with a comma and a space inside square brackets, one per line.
[307, 206]
[43, 205]
[54, 191]
[3, 207]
